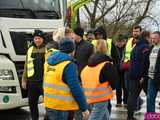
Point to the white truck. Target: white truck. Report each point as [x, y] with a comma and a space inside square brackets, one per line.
[18, 20]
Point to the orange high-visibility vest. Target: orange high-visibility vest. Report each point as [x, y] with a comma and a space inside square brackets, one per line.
[93, 89]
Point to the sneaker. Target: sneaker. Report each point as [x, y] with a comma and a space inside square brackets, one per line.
[138, 108]
[141, 101]
[131, 118]
[118, 105]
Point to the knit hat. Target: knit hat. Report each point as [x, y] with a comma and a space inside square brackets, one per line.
[120, 37]
[79, 31]
[91, 31]
[66, 45]
[39, 33]
[101, 30]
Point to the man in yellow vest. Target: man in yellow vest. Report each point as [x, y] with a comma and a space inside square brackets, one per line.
[128, 50]
[62, 91]
[33, 72]
[131, 43]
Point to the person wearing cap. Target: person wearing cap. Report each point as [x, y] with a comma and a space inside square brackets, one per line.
[120, 86]
[62, 90]
[100, 33]
[90, 36]
[83, 48]
[32, 78]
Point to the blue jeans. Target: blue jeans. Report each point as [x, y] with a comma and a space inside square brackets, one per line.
[57, 114]
[100, 111]
[151, 95]
[78, 115]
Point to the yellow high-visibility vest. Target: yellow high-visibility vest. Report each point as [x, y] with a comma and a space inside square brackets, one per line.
[57, 94]
[47, 54]
[128, 50]
[30, 65]
[109, 45]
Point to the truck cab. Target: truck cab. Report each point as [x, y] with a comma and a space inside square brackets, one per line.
[18, 20]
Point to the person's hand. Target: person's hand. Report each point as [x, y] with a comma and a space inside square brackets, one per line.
[142, 80]
[24, 85]
[85, 114]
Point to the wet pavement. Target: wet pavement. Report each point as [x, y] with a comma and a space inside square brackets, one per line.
[118, 113]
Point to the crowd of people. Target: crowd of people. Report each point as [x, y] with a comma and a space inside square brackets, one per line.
[78, 74]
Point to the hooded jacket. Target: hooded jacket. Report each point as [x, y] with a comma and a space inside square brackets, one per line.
[70, 76]
[82, 53]
[108, 72]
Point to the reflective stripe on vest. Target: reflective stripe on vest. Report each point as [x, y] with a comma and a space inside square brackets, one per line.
[30, 65]
[128, 50]
[94, 90]
[109, 45]
[57, 94]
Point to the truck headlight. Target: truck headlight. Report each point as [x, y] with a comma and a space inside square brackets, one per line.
[6, 74]
[7, 89]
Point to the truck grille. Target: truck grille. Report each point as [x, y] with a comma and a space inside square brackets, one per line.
[20, 69]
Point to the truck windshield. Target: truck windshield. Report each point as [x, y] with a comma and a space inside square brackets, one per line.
[38, 9]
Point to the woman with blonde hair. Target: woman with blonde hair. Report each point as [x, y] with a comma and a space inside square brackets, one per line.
[59, 34]
[98, 79]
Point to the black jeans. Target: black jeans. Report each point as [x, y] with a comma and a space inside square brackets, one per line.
[121, 91]
[135, 88]
[34, 91]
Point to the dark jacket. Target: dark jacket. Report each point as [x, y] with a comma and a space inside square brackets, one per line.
[38, 54]
[157, 70]
[108, 72]
[83, 51]
[115, 55]
[121, 55]
[139, 60]
[70, 77]
[121, 52]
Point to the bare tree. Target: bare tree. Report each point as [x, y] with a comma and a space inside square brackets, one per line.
[98, 11]
[118, 14]
[143, 15]
[129, 13]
